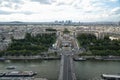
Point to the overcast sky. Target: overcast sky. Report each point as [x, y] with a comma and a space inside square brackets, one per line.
[50, 10]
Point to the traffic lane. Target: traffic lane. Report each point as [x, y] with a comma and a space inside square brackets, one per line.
[69, 70]
[65, 68]
[67, 73]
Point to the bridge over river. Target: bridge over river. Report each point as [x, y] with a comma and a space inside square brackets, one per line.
[67, 68]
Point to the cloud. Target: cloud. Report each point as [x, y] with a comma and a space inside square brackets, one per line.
[113, 0]
[13, 1]
[12, 4]
[115, 11]
[50, 10]
[17, 1]
[42, 1]
[4, 12]
[10, 12]
[64, 2]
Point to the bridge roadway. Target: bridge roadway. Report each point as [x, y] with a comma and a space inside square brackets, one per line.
[66, 70]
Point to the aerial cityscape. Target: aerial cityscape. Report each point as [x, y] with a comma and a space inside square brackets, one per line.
[59, 40]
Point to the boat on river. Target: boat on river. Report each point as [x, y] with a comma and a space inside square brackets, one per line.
[111, 76]
[2, 74]
[18, 74]
[2, 59]
[80, 59]
[11, 67]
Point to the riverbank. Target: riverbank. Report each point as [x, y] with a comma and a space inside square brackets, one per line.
[21, 78]
[28, 58]
[76, 58]
[84, 58]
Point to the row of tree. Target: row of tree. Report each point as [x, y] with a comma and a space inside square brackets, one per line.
[50, 29]
[101, 47]
[31, 45]
[66, 31]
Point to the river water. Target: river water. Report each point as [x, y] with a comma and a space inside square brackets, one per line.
[92, 70]
[85, 70]
[44, 69]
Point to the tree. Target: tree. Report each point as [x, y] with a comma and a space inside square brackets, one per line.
[66, 31]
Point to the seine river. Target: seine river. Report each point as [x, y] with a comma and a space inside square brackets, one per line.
[85, 70]
[45, 69]
[92, 70]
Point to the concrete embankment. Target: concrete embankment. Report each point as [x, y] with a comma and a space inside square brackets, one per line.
[29, 58]
[81, 58]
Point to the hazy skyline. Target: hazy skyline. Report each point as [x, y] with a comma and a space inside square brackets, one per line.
[51, 10]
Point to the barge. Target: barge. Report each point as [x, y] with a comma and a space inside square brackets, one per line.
[80, 59]
[18, 74]
[2, 74]
[111, 76]
[11, 67]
